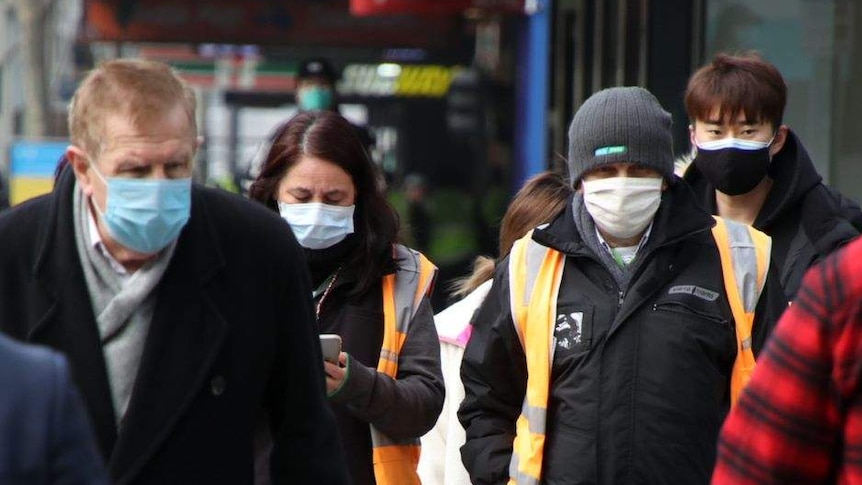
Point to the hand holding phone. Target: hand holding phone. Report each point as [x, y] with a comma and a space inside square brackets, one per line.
[330, 345]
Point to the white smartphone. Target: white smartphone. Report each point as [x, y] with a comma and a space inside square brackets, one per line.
[330, 344]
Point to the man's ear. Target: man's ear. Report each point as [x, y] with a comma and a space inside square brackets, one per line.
[781, 135]
[80, 165]
[691, 138]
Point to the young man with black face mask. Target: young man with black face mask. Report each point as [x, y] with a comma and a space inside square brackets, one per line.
[611, 344]
[751, 168]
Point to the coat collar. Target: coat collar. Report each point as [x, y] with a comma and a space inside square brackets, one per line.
[185, 335]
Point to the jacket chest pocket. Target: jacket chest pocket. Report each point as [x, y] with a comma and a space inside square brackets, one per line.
[691, 321]
[692, 313]
[692, 302]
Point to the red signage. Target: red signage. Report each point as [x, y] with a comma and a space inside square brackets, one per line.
[285, 22]
[431, 7]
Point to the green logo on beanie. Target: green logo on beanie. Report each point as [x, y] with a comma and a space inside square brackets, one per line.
[600, 152]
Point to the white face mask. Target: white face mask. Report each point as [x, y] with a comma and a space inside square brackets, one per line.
[622, 206]
[316, 225]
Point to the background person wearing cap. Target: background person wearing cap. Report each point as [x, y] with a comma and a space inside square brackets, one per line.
[315, 85]
[315, 90]
[630, 341]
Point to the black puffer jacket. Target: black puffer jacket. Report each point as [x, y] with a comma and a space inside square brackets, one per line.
[641, 394]
[806, 219]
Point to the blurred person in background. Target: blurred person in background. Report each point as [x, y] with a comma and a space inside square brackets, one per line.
[315, 85]
[45, 436]
[800, 418]
[386, 388]
[750, 167]
[606, 350]
[540, 200]
[316, 90]
[184, 311]
[418, 214]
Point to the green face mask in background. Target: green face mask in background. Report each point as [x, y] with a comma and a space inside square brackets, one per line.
[315, 98]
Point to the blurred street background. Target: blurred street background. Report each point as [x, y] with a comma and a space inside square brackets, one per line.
[465, 98]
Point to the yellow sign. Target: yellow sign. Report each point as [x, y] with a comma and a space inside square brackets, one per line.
[23, 188]
[430, 81]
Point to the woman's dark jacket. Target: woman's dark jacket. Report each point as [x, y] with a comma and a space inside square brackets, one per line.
[405, 407]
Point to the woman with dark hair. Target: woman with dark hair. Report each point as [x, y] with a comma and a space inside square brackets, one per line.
[386, 388]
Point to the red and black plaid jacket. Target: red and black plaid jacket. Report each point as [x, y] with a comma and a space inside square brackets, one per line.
[800, 418]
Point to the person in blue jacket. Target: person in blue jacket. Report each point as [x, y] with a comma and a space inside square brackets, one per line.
[45, 436]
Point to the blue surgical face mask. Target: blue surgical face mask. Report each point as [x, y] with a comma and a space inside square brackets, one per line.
[145, 215]
[316, 225]
[315, 98]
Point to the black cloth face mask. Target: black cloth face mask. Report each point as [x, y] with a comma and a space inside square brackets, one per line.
[733, 166]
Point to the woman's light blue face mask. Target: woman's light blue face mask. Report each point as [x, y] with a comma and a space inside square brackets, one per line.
[317, 225]
[145, 215]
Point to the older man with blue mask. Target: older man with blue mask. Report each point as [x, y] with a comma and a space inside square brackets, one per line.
[164, 297]
[607, 350]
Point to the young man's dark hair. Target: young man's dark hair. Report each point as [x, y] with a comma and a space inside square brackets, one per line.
[750, 167]
[737, 85]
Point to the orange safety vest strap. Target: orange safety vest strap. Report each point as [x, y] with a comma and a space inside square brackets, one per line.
[535, 272]
[395, 463]
[403, 291]
[745, 256]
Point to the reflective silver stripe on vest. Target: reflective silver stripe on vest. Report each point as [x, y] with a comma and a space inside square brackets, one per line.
[744, 256]
[520, 478]
[388, 355]
[406, 285]
[536, 417]
[535, 254]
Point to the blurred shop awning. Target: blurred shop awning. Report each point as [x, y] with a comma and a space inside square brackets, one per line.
[262, 22]
[432, 7]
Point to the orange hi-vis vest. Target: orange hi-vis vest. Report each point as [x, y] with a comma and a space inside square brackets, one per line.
[535, 273]
[395, 461]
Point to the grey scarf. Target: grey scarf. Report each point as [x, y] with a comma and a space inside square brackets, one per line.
[123, 310]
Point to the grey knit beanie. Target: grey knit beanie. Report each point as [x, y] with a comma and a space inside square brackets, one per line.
[623, 124]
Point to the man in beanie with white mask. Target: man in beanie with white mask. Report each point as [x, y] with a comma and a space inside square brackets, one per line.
[607, 350]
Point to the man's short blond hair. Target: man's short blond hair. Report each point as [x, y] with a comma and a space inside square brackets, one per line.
[143, 90]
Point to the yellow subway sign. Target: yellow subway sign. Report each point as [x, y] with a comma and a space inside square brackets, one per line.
[395, 80]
